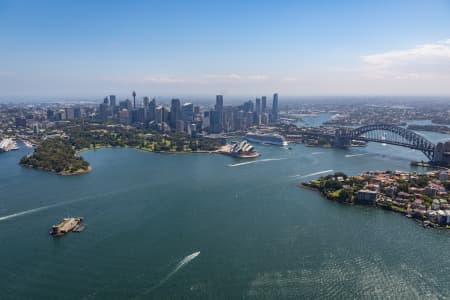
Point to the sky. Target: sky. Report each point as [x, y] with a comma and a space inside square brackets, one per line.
[91, 49]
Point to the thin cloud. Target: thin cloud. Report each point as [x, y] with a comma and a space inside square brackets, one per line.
[427, 61]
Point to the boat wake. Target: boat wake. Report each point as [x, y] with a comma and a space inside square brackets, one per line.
[30, 211]
[26, 212]
[354, 155]
[255, 161]
[34, 210]
[317, 153]
[312, 174]
[180, 265]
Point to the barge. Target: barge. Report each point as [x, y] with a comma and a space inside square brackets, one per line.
[67, 225]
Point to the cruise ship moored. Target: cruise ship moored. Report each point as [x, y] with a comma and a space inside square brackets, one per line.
[266, 138]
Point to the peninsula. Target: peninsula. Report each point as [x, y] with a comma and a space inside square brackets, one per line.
[422, 196]
[58, 156]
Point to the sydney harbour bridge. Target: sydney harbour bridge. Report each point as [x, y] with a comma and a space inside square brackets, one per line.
[393, 135]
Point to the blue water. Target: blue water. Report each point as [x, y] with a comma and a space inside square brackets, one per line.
[259, 236]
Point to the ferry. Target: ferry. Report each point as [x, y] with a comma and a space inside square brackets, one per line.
[266, 138]
[67, 225]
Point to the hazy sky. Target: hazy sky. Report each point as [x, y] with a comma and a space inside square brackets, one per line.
[254, 47]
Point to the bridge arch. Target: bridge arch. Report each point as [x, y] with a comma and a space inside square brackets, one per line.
[393, 135]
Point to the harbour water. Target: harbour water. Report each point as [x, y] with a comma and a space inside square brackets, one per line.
[207, 226]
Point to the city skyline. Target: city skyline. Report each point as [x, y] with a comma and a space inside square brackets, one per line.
[87, 50]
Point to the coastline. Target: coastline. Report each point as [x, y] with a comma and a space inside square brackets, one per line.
[62, 173]
[425, 222]
[89, 169]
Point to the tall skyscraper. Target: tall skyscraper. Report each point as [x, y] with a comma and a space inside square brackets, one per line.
[187, 112]
[215, 121]
[159, 114]
[175, 112]
[152, 110]
[112, 100]
[275, 108]
[146, 102]
[219, 103]
[263, 104]
[258, 106]
[134, 99]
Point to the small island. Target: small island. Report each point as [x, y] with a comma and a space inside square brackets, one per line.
[58, 156]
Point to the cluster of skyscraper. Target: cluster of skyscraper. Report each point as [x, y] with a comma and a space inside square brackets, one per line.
[187, 118]
[235, 118]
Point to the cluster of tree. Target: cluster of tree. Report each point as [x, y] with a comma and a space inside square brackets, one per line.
[92, 135]
[55, 155]
[333, 189]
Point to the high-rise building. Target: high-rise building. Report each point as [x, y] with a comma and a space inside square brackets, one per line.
[159, 114]
[112, 100]
[124, 117]
[248, 106]
[50, 114]
[275, 108]
[77, 112]
[215, 121]
[152, 110]
[141, 115]
[187, 112]
[103, 110]
[227, 118]
[125, 105]
[146, 102]
[219, 103]
[175, 112]
[263, 104]
[258, 106]
[70, 113]
[134, 99]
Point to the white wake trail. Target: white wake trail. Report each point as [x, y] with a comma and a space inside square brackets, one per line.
[317, 153]
[30, 211]
[255, 161]
[315, 173]
[180, 265]
[354, 155]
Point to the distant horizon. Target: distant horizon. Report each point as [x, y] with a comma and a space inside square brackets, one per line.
[210, 98]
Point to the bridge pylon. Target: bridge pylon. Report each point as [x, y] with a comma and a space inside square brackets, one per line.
[342, 139]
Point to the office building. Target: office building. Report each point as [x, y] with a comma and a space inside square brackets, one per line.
[219, 103]
[175, 112]
[187, 112]
[263, 104]
[275, 108]
[112, 100]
